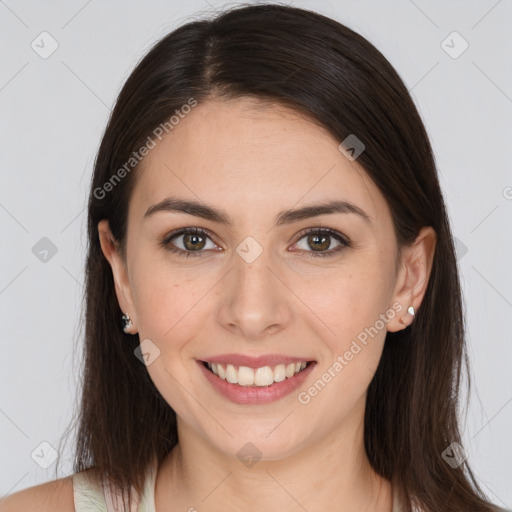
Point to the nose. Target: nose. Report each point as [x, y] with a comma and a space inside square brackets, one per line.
[255, 302]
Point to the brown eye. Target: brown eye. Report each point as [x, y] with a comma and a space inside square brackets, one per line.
[193, 241]
[318, 242]
[188, 242]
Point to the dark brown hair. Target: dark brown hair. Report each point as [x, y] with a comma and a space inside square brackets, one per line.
[328, 72]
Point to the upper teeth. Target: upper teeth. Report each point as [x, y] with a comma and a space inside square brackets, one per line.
[264, 376]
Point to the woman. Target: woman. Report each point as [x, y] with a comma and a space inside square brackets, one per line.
[273, 311]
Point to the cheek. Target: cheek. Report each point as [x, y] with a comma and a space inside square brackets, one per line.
[169, 308]
[170, 301]
[165, 306]
[348, 306]
[350, 319]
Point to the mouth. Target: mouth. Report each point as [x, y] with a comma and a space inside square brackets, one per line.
[265, 376]
[255, 384]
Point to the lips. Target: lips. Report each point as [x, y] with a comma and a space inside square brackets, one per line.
[254, 394]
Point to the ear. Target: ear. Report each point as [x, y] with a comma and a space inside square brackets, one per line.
[110, 248]
[413, 277]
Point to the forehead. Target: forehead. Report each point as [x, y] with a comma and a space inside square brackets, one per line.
[251, 156]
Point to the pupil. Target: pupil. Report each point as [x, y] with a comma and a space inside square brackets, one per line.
[322, 245]
[192, 239]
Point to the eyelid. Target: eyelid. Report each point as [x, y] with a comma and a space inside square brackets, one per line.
[332, 232]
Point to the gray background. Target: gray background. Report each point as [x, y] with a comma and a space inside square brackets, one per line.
[53, 112]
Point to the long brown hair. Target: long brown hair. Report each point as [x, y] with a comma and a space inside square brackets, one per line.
[330, 73]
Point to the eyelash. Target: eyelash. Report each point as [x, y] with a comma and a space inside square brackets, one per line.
[344, 242]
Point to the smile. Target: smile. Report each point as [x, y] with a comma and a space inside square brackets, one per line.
[263, 376]
[255, 386]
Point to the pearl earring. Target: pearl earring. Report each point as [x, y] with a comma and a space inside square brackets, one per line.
[127, 323]
[410, 310]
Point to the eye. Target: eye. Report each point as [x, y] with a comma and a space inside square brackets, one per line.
[320, 240]
[193, 240]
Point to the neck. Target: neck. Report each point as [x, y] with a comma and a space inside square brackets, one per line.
[335, 469]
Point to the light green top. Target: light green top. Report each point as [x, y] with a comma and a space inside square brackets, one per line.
[91, 496]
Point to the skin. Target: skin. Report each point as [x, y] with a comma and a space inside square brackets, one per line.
[252, 160]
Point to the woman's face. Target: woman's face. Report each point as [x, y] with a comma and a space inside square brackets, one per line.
[259, 285]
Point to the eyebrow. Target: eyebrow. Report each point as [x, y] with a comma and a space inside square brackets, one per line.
[172, 204]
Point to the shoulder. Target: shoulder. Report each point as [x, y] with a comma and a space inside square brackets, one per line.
[54, 496]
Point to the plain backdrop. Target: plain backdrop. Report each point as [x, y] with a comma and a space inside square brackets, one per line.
[62, 66]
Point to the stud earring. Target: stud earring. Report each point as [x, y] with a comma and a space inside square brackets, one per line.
[127, 323]
[410, 310]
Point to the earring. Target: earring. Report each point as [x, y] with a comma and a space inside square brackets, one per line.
[410, 311]
[127, 323]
